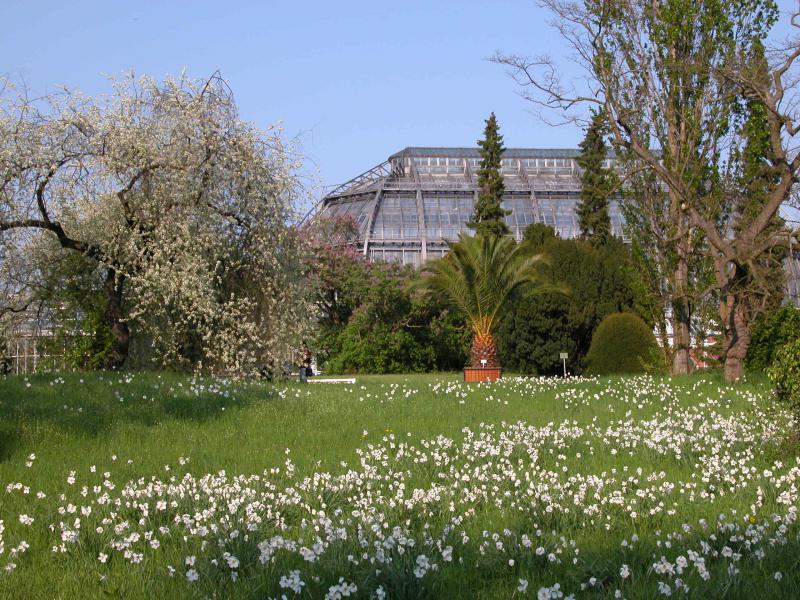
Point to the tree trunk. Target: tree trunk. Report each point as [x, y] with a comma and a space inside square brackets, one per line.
[734, 315]
[114, 318]
[736, 339]
[663, 341]
[681, 317]
[483, 352]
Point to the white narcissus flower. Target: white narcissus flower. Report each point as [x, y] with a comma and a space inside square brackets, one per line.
[372, 514]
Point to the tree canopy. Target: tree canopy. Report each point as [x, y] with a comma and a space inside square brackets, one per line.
[536, 329]
[180, 209]
[668, 76]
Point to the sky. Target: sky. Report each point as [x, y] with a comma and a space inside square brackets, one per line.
[353, 82]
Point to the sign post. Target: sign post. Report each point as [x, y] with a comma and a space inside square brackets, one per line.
[563, 357]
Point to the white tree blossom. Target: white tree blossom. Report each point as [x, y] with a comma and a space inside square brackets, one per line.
[185, 210]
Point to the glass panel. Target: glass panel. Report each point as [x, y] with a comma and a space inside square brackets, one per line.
[393, 255]
[411, 257]
[333, 210]
[355, 208]
[431, 219]
[563, 220]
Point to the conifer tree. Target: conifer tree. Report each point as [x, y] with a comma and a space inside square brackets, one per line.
[489, 216]
[597, 183]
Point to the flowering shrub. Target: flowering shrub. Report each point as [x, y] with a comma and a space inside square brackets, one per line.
[180, 212]
[370, 321]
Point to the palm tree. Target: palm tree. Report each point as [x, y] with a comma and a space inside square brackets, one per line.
[478, 277]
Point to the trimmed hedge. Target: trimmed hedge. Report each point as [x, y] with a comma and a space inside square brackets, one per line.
[622, 343]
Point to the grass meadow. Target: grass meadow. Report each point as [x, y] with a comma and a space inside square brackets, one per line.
[153, 485]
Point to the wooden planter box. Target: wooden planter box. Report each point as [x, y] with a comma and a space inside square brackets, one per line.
[475, 374]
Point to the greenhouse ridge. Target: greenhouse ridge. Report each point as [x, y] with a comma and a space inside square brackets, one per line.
[410, 205]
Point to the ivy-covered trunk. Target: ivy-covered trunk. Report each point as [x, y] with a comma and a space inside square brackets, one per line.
[114, 318]
[734, 315]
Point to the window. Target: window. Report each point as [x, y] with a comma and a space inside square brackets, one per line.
[396, 218]
[521, 215]
[411, 257]
[393, 256]
[446, 214]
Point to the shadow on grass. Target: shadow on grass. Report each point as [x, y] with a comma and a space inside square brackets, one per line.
[91, 405]
[200, 408]
[8, 441]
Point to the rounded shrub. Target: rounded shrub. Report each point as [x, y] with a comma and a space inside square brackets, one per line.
[785, 374]
[622, 343]
[770, 332]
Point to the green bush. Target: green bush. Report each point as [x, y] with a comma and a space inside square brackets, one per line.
[785, 373]
[531, 337]
[772, 331]
[536, 329]
[380, 348]
[393, 331]
[623, 343]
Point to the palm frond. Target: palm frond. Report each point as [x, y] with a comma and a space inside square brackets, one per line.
[480, 274]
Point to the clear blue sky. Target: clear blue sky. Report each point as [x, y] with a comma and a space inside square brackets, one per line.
[355, 80]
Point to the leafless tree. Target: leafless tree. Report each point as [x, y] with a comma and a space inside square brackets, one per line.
[667, 74]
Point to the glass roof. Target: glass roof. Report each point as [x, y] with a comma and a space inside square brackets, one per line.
[429, 193]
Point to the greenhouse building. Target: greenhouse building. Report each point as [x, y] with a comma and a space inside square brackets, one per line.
[407, 207]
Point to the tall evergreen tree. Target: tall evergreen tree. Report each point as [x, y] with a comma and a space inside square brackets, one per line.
[489, 216]
[597, 183]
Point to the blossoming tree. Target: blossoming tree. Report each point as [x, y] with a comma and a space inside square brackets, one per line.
[184, 210]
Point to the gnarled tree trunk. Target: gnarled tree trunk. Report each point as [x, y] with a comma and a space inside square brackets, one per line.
[114, 317]
[734, 313]
[736, 337]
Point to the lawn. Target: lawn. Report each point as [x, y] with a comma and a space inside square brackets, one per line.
[166, 486]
